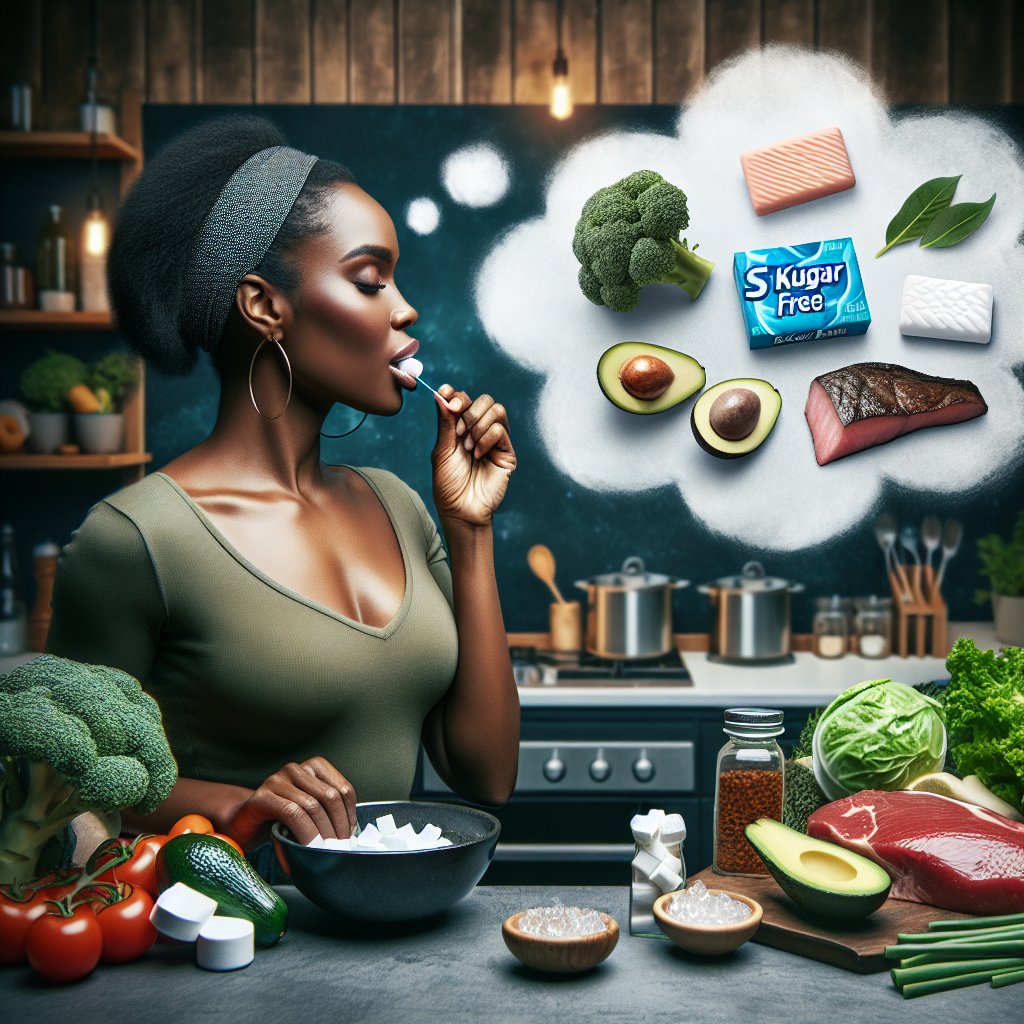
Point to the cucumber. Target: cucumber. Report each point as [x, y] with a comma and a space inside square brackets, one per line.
[212, 867]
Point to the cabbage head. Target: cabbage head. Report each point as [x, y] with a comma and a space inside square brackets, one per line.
[877, 735]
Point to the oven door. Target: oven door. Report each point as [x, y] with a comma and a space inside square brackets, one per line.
[568, 819]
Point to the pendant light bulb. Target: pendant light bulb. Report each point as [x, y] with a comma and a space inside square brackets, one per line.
[561, 94]
[96, 231]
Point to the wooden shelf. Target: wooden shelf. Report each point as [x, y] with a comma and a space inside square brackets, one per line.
[65, 145]
[41, 320]
[23, 460]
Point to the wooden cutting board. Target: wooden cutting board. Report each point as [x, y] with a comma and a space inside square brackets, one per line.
[854, 947]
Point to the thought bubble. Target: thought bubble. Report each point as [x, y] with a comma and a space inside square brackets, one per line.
[476, 175]
[778, 497]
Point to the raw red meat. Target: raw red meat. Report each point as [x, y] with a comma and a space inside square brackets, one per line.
[867, 404]
[937, 850]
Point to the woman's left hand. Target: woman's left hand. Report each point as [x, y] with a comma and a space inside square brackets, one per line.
[473, 457]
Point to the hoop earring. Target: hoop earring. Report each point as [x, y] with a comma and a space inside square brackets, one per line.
[288, 366]
[347, 432]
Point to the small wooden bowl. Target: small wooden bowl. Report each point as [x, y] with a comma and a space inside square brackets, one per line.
[560, 956]
[708, 939]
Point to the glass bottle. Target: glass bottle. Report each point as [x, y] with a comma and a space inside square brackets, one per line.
[56, 257]
[12, 605]
[831, 628]
[748, 786]
[874, 628]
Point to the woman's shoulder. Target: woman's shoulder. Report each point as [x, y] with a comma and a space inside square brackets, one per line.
[403, 501]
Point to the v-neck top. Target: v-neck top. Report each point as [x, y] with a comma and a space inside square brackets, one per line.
[249, 674]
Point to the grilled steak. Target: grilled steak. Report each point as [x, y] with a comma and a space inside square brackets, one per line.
[937, 850]
[868, 404]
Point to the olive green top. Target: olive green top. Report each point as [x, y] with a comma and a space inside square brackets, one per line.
[250, 675]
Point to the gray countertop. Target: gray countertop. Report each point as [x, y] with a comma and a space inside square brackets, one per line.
[460, 971]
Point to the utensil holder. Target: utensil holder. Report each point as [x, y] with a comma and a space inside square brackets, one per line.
[927, 610]
[566, 626]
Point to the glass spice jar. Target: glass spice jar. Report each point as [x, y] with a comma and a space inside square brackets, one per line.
[748, 786]
[831, 628]
[874, 628]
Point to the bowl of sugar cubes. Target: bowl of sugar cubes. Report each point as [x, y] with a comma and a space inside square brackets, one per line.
[408, 860]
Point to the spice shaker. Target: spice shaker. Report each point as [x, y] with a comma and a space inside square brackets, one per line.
[874, 628]
[748, 786]
[831, 628]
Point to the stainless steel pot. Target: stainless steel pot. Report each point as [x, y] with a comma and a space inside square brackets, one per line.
[750, 615]
[629, 613]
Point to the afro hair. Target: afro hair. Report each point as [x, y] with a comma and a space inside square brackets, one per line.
[161, 219]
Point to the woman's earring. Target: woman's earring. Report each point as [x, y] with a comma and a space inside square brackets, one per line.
[288, 367]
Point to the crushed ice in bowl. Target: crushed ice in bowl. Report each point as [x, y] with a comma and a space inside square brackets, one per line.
[696, 905]
[562, 922]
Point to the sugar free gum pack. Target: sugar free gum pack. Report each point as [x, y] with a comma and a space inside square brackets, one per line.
[807, 292]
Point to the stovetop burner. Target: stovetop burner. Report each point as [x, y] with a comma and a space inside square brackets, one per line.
[552, 668]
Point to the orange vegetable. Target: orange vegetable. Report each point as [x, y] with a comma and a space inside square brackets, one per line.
[192, 823]
[82, 399]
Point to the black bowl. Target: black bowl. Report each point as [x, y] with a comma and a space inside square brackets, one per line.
[397, 885]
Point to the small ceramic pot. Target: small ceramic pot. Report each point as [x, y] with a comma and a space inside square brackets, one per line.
[1008, 613]
[100, 433]
[47, 431]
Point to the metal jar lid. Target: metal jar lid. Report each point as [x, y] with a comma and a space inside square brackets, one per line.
[753, 721]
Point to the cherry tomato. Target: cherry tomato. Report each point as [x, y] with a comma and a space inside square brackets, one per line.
[140, 869]
[65, 948]
[16, 917]
[192, 823]
[127, 933]
[229, 841]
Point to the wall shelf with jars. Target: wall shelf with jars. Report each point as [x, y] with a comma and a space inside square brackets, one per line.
[81, 309]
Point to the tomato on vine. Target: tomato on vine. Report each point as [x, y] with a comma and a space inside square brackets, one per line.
[123, 915]
[65, 943]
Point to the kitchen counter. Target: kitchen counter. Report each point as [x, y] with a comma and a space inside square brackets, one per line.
[807, 681]
[460, 971]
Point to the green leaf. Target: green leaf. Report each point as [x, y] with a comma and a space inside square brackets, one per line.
[956, 223]
[919, 211]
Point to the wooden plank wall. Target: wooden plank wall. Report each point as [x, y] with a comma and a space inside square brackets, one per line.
[490, 51]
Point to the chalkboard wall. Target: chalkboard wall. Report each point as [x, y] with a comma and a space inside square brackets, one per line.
[396, 153]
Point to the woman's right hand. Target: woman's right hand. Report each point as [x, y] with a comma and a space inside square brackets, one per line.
[309, 797]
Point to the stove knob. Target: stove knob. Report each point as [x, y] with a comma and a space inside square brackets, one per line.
[600, 769]
[643, 767]
[554, 768]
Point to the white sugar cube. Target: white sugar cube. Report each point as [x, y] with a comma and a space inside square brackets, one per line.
[443, 842]
[386, 824]
[430, 834]
[394, 841]
[934, 307]
[645, 863]
[365, 842]
[644, 828]
[673, 829]
[406, 830]
[316, 843]
[338, 844]
[371, 833]
[665, 878]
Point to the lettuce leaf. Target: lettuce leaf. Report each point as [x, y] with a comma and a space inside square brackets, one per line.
[984, 708]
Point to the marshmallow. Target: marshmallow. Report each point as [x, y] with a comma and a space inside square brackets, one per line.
[665, 878]
[673, 830]
[645, 828]
[646, 863]
[411, 366]
[337, 844]
[180, 912]
[225, 944]
[386, 824]
[430, 834]
[395, 841]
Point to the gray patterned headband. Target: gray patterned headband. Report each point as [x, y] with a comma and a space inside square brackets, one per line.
[236, 235]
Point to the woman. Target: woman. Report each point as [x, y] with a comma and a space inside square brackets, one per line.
[297, 622]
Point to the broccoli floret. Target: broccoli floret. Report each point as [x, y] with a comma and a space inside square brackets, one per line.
[73, 738]
[627, 237]
[802, 796]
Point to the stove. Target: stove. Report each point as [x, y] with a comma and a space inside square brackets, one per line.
[533, 667]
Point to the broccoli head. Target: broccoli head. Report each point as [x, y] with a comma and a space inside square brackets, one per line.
[73, 738]
[627, 237]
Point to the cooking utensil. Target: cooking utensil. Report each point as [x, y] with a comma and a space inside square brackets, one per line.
[750, 615]
[629, 613]
[886, 530]
[952, 535]
[931, 536]
[542, 562]
[908, 541]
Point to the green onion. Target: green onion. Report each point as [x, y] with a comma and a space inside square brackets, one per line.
[926, 988]
[957, 950]
[976, 922]
[930, 972]
[1004, 978]
[1006, 932]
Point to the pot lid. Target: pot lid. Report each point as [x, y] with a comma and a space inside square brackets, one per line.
[752, 580]
[631, 577]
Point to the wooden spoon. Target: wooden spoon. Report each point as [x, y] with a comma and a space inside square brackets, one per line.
[542, 562]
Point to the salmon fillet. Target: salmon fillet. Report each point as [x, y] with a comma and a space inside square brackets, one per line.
[869, 404]
[797, 170]
[937, 850]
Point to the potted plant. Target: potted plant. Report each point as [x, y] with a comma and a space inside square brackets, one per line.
[45, 385]
[99, 421]
[1002, 561]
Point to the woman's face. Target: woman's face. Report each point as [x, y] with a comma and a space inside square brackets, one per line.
[346, 330]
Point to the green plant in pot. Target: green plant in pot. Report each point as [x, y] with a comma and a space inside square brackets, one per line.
[45, 385]
[1002, 563]
[108, 380]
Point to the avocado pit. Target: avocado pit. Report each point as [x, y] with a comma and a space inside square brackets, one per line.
[646, 377]
[734, 413]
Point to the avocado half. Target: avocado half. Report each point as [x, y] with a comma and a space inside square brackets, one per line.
[823, 879]
[723, 447]
[689, 377]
